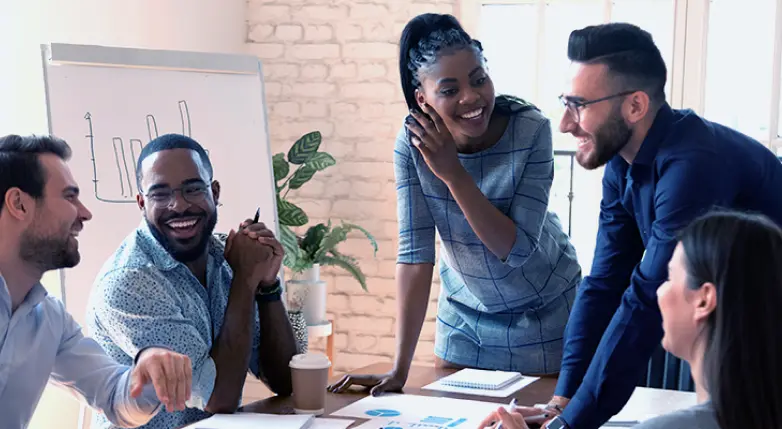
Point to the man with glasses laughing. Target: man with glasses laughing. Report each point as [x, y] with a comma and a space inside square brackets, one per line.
[172, 283]
[663, 168]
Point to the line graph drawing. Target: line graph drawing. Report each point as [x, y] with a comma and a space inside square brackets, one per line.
[127, 182]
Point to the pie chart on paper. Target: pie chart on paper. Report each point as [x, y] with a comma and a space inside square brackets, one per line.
[383, 413]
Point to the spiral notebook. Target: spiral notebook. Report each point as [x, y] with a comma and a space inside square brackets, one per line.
[481, 379]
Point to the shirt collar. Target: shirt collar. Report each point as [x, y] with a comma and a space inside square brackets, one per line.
[160, 256]
[34, 297]
[657, 132]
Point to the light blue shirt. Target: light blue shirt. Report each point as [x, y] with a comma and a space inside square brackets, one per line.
[492, 313]
[144, 297]
[41, 342]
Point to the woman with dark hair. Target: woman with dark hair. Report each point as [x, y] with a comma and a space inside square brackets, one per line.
[722, 313]
[477, 169]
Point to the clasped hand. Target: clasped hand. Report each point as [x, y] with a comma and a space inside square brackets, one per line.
[254, 254]
[435, 143]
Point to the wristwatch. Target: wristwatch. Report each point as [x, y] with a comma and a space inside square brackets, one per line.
[557, 423]
[269, 293]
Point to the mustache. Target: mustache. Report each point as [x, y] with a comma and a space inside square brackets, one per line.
[187, 213]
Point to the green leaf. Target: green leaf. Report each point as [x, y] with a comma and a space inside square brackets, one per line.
[304, 147]
[290, 214]
[312, 238]
[347, 264]
[281, 166]
[291, 246]
[339, 234]
[302, 175]
[321, 161]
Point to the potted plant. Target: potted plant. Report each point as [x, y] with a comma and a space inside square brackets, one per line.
[304, 255]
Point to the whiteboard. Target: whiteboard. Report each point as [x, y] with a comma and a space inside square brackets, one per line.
[109, 102]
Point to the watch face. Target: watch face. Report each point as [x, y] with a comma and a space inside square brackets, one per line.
[557, 423]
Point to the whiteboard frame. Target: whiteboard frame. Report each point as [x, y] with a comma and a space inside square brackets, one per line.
[53, 54]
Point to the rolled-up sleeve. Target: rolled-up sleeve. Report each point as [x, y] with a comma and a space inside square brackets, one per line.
[416, 224]
[84, 368]
[529, 207]
[137, 314]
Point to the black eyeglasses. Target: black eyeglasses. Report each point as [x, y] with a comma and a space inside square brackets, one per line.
[193, 193]
[574, 107]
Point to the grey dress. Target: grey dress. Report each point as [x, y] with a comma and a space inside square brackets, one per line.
[701, 416]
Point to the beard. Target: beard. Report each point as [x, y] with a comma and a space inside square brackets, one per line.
[48, 252]
[607, 141]
[181, 251]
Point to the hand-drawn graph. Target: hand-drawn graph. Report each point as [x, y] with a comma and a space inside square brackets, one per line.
[127, 181]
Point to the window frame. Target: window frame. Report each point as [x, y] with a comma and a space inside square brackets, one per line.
[687, 69]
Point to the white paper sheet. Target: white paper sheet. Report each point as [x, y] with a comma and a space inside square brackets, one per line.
[252, 421]
[321, 423]
[433, 412]
[499, 393]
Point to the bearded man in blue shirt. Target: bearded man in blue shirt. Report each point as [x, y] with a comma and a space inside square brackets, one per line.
[663, 168]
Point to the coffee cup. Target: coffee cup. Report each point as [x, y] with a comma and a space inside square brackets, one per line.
[310, 376]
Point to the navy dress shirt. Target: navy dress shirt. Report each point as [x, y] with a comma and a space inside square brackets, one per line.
[685, 167]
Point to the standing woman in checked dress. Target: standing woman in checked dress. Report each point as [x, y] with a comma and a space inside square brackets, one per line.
[477, 169]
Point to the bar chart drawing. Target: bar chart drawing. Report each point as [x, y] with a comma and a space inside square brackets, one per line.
[125, 158]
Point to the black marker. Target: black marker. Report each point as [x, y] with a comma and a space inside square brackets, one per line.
[257, 215]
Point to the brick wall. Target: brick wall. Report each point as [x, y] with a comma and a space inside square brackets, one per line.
[331, 65]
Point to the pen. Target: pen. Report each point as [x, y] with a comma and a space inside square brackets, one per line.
[257, 215]
[510, 408]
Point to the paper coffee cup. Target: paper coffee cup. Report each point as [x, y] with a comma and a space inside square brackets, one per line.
[310, 375]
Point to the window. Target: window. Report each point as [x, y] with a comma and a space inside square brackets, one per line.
[739, 65]
[729, 70]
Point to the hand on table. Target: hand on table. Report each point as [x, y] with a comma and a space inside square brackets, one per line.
[170, 373]
[518, 418]
[377, 383]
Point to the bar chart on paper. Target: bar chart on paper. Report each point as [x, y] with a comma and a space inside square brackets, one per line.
[411, 411]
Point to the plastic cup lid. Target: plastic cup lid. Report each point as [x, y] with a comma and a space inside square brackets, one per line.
[310, 361]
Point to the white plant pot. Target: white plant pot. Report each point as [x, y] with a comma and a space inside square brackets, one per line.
[308, 293]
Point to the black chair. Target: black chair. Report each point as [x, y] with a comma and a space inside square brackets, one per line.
[666, 371]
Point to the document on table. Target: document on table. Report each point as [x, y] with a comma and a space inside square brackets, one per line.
[252, 420]
[494, 393]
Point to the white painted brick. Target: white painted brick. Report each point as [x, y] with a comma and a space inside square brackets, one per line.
[369, 325]
[267, 51]
[342, 71]
[288, 33]
[372, 111]
[347, 32]
[272, 89]
[312, 90]
[318, 33]
[340, 109]
[380, 32]
[280, 71]
[372, 71]
[325, 14]
[370, 91]
[315, 51]
[268, 13]
[350, 128]
[312, 189]
[363, 343]
[369, 11]
[339, 150]
[351, 361]
[340, 341]
[314, 71]
[373, 50]
[291, 131]
[288, 109]
[338, 303]
[386, 269]
[314, 110]
[260, 32]
[315, 207]
[366, 189]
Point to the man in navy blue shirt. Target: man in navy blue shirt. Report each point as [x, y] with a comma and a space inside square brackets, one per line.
[664, 167]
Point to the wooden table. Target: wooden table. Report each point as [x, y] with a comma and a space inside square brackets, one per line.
[537, 392]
